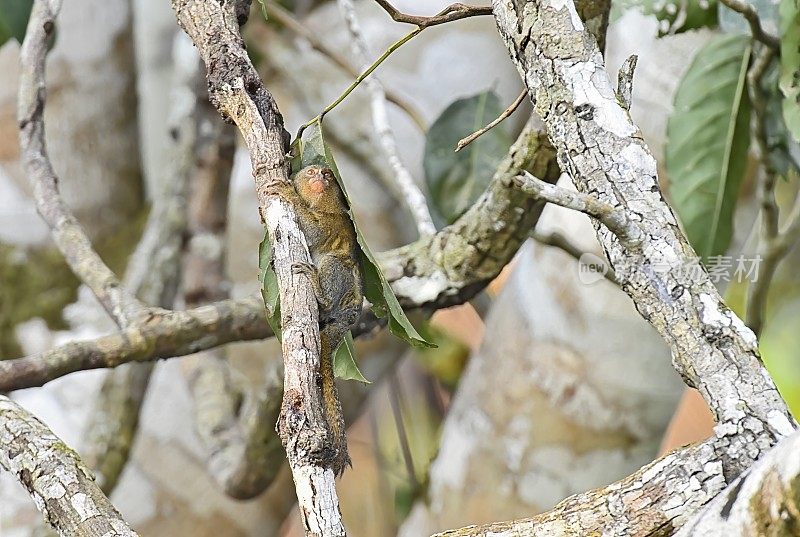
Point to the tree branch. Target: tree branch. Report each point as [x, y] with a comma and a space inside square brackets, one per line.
[763, 501]
[59, 483]
[451, 13]
[615, 219]
[464, 142]
[751, 15]
[237, 92]
[713, 350]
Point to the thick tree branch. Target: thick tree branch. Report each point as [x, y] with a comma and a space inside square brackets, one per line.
[712, 349]
[652, 501]
[59, 483]
[238, 93]
[763, 501]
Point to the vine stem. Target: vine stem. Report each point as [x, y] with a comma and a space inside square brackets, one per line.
[388, 52]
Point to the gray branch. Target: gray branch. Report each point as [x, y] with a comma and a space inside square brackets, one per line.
[59, 483]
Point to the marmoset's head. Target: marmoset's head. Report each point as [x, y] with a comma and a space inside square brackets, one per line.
[318, 187]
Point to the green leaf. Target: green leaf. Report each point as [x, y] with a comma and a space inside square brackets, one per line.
[14, 19]
[455, 180]
[707, 142]
[376, 289]
[269, 286]
[674, 16]
[790, 65]
[344, 361]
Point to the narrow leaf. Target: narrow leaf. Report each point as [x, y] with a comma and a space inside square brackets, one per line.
[344, 361]
[455, 180]
[708, 139]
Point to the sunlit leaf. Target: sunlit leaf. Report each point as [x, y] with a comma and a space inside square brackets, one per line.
[708, 139]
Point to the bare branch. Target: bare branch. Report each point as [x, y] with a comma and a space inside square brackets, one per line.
[59, 483]
[625, 81]
[238, 93]
[615, 219]
[413, 196]
[464, 142]
[67, 233]
[163, 335]
[451, 13]
[557, 240]
[751, 15]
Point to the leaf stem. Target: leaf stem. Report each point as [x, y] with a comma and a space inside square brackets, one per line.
[396, 45]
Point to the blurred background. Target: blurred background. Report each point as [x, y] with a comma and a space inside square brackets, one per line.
[544, 387]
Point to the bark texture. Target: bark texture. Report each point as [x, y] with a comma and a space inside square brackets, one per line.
[603, 152]
[59, 483]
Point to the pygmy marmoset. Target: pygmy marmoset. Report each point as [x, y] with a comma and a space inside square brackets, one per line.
[322, 211]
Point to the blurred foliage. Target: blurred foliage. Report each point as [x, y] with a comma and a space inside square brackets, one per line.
[14, 19]
[708, 135]
[674, 16]
[732, 22]
[455, 180]
[445, 362]
[790, 65]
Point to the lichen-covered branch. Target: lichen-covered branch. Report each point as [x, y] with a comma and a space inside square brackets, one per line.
[458, 262]
[652, 501]
[603, 152]
[163, 335]
[238, 93]
[763, 501]
[67, 233]
[59, 483]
